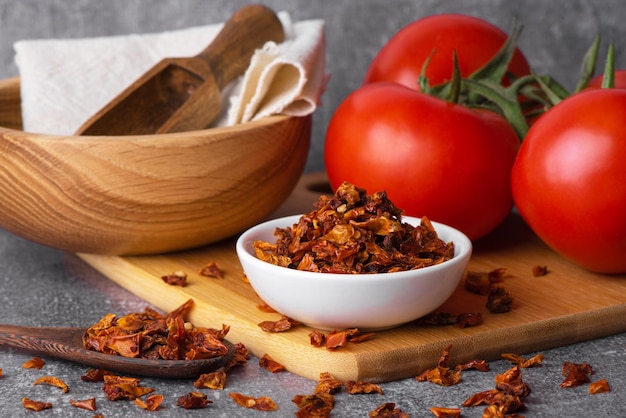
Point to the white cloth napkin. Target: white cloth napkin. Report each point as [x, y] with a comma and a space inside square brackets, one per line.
[65, 81]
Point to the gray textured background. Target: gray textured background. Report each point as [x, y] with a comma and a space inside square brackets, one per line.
[556, 32]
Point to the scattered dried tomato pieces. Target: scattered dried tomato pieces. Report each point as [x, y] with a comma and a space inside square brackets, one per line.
[599, 386]
[499, 300]
[87, 404]
[271, 365]
[352, 232]
[123, 388]
[35, 405]
[318, 405]
[388, 410]
[357, 387]
[576, 374]
[281, 325]
[176, 278]
[52, 381]
[441, 412]
[193, 400]
[328, 384]
[262, 403]
[33, 363]
[151, 403]
[152, 335]
[507, 396]
[513, 358]
[211, 269]
[540, 271]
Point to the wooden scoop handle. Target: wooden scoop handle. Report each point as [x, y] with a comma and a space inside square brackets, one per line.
[230, 52]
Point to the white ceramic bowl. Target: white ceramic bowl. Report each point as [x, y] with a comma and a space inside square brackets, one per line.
[365, 301]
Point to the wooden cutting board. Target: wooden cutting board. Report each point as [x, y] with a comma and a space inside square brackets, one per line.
[565, 306]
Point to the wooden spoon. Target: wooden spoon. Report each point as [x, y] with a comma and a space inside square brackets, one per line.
[66, 343]
[184, 94]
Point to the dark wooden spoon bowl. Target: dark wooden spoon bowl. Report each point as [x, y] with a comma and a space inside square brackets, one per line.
[66, 343]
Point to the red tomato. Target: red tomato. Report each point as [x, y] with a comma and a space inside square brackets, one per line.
[620, 80]
[475, 40]
[432, 157]
[569, 179]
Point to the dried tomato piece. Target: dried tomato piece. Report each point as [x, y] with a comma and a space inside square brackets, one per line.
[271, 365]
[357, 387]
[240, 357]
[511, 382]
[94, 375]
[535, 360]
[35, 405]
[193, 400]
[264, 307]
[328, 384]
[33, 363]
[481, 282]
[211, 269]
[151, 403]
[441, 412]
[175, 278]
[599, 386]
[465, 320]
[499, 300]
[318, 405]
[336, 339]
[262, 403]
[283, 324]
[388, 410]
[540, 271]
[123, 388]
[442, 374]
[317, 338]
[576, 374]
[87, 404]
[437, 319]
[215, 380]
[52, 381]
[476, 364]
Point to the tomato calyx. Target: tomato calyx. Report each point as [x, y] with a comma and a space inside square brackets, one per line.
[522, 99]
[485, 88]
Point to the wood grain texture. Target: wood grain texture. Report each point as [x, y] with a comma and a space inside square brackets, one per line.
[145, 194]
[565, 306]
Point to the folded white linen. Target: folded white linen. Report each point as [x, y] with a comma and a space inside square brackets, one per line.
[65, 81]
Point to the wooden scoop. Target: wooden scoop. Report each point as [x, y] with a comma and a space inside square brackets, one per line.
[184, 94]
[66, 343]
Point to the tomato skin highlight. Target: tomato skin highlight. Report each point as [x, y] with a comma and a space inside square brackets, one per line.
[569, 179]
[432, 157]
[475, 40]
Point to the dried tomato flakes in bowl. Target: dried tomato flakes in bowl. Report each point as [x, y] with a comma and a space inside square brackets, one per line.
[352, 232]
[353, 262]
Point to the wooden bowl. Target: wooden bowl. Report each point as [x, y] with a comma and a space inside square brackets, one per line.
[131, 195]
